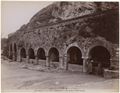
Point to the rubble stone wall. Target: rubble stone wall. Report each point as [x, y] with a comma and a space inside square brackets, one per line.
[80, 32]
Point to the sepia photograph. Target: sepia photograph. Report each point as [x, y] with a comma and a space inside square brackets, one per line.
[60, 46]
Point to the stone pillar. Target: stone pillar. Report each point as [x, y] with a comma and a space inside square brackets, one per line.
[9, 51]
[114, 62]
[27, 58]
[18, 56]
[36, 60]
[19, 59]
[61, 62]
[13, 58]
[47, 61]
[65, 62]
[85, 60]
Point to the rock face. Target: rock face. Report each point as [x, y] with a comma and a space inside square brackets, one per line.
[68, 25]
[66, 10]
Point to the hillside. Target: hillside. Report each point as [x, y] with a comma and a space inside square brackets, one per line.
[66, 10]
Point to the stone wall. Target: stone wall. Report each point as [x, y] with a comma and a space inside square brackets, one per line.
[84, 32]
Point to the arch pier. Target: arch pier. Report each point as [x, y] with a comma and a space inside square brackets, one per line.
[72, 57]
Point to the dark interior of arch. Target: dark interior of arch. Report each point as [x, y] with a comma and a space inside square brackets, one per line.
[31, 53]
[54, 55]
[41, 54]
[15, 48]
[23, 53]
[15, 51]
[100, 54]
[74, 56]
[11, 54]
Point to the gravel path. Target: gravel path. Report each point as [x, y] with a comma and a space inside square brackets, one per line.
[16, 78]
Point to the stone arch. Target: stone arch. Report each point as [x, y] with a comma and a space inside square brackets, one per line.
[100, 54]
[31, 53]
[53, 54]
[41, 54]
[74, 45]
[102, 45]
[23, 53]
[74, 55]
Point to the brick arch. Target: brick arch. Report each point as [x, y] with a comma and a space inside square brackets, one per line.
[31, 53]
[100, 54]
[28, 47]
[74, 45]
[74, 55]
[102, 45]
[36, 50]
[53, 54]
[41, 54]
[48, 49]
[23, 52]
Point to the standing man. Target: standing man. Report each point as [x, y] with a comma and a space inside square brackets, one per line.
[90, 67]
[99, 72]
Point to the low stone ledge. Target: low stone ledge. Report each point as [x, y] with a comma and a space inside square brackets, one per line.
[111, 73]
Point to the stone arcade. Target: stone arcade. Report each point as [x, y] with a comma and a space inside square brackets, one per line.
[68, 44]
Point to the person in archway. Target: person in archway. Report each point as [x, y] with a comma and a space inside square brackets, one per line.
[95, 66]
[99, 68]
[90, 67]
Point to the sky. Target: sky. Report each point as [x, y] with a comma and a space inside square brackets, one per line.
[16, 13]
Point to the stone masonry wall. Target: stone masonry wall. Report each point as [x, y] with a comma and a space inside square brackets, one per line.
[84, 31]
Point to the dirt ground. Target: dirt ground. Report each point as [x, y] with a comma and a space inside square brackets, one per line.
[16, 77]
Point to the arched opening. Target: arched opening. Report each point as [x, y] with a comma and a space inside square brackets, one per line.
[23, 53]
[99, 59]
[100, 54]
[41, 54]
[74, 56]
[53, 55]
[15, 51]
[31, 53]
[11, 54]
